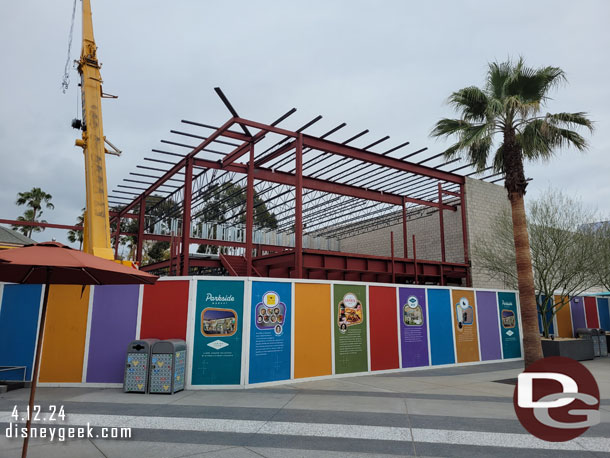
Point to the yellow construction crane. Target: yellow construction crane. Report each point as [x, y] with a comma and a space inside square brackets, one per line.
[96, 231]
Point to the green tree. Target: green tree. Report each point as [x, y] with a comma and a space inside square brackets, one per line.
[502, 124]
[602, 232]
[35, 199]
[77, 235]
[226, 203]
[565, 252]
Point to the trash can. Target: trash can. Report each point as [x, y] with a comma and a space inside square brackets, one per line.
[603, 342]
[591, 334]
[167, 368]
[137, 364]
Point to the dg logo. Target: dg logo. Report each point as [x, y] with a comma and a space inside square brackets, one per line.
[557, 399]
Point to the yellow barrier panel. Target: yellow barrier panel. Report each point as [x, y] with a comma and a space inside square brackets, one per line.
[312, 343]
[63, 345]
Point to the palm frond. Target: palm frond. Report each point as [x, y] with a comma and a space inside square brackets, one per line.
[570, 120]
[470, 102]
[446, 127]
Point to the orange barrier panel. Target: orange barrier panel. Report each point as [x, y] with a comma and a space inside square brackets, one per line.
[564, 319]
[312, 343]
[465, 325]
[63, 345]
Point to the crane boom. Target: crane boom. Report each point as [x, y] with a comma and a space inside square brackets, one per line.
[96, 233]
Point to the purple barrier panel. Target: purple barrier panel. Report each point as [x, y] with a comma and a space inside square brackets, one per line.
[113, 326]
[577, 305]
[489, 334]
[413, 326]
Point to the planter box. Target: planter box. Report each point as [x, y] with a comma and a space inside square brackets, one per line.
[578, 349]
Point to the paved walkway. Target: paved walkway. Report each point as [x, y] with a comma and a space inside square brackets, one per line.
[458, 411]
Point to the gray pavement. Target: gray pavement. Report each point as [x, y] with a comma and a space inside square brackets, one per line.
[457, 411]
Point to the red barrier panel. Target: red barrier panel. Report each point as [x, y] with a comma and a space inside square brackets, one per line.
[591, 312]
[384, 333]
[164, 310]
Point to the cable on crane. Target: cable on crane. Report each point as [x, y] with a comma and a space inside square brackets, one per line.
[66, 79]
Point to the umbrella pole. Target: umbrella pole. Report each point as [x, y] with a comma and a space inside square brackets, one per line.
[43, 315]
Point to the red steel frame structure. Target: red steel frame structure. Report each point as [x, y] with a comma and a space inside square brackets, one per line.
[392, 184]
[297, 262]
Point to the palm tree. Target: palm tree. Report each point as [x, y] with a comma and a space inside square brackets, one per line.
[35, 198]
[504, 120]
[28, 215]
[77, 235]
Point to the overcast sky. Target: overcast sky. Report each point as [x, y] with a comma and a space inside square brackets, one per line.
[387, 66]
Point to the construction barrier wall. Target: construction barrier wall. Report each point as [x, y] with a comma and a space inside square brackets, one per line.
[253, 331]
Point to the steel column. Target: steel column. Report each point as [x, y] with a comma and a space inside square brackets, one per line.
[298, 206]
[415, 258]
[392, 251]
[186, 214]
[404, 228]
[250, 211]
[140, 245]
[117, 238]
[441, 221]
[465, 235]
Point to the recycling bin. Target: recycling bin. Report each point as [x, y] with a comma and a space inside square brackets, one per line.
[591, 334]
[167, 366]
[603, 342]
[137, 364]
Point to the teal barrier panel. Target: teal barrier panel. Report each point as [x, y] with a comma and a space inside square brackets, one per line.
[509, 321]
[217, 337]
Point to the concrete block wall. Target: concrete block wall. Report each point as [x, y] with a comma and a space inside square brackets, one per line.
[484, 203]
[426, 228]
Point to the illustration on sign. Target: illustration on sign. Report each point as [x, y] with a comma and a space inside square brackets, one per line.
[464, 313]
[217, 322]
[508, 319]
[412, 312]
[270, 313]
[350, 312]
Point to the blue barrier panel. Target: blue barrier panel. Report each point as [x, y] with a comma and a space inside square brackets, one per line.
[270, 336]
[441, 327]
[604, 313]
[19, 327]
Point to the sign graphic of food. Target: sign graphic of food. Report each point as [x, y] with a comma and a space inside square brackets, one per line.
[270, 312]
[350, 312]
[464, 313]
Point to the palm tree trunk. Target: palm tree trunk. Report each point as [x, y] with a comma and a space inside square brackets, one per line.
[532, 348]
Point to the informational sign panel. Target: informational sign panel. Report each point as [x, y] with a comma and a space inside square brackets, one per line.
[217, 339]
[349, 322]
[489, 333]
[509, 325]
[465, 326]
[413, 326]
[270, 331]
[382, 324]
[441, 332]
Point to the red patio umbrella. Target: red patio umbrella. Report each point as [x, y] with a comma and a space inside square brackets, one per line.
[51, 263]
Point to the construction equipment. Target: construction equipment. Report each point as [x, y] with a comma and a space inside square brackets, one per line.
[96, 231]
